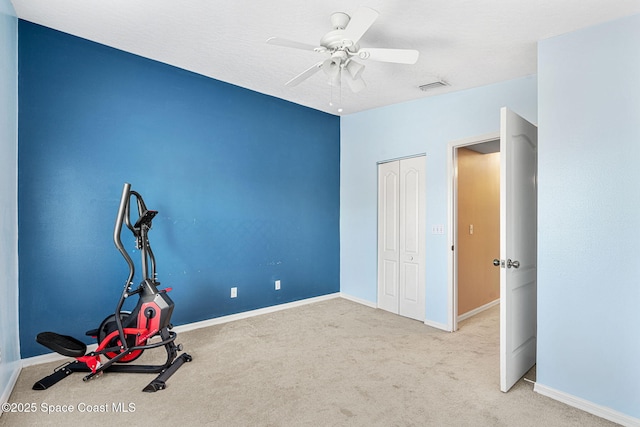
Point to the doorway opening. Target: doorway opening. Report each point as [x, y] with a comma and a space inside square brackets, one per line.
[475, 230]
[478, 227]
[517, 258]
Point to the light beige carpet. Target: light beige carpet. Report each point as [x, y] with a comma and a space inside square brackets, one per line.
[332, 363]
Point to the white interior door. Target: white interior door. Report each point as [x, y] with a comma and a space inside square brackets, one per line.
[518, 247]
[401, 237]
[412, 238]
[388, 235]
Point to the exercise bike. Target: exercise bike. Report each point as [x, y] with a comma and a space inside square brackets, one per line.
[123, 336]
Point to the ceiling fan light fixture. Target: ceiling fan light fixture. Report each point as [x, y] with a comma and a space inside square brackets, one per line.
[335, 79]
[331, 67]
[355, 69]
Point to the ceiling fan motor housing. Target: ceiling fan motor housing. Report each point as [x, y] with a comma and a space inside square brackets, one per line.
[334, 40]
[339, 20]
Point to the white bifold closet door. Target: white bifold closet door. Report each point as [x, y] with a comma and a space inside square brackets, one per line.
[401, 237]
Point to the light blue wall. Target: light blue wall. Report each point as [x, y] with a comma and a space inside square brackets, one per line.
[422, 126]
[9, 346]
[589, 215]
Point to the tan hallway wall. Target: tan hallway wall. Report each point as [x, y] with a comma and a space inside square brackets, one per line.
[478, 206]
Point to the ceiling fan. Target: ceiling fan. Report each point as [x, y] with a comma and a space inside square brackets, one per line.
[342, 46]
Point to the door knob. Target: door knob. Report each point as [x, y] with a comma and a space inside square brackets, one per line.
[514, 264]
[496, 262]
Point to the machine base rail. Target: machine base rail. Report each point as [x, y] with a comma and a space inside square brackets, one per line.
[157, 384]
[160, 382]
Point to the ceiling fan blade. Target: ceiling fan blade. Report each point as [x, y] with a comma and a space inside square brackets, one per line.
[399, 56]
[304, 75]
[290, 43]
[356, 85]
[360, 22]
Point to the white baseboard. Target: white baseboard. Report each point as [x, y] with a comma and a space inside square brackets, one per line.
[587, 406]
[6, 392]
[374, 305]
[252, 313]
[358, 300]
[480, 309]
[51, 357]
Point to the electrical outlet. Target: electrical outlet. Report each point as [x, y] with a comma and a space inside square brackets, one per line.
[234, 292]
[277, 285]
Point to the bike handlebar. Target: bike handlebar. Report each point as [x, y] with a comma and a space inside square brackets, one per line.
[122, 214]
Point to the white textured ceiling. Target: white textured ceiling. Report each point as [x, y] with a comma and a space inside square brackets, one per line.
[467, 43]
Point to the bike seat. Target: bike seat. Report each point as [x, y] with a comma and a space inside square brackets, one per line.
[62, 344]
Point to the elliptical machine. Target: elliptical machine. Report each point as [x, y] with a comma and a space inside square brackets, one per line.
[123, 336]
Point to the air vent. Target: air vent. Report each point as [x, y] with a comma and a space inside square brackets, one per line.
[433, 85]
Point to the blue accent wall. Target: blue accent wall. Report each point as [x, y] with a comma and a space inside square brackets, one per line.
[246, 185]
